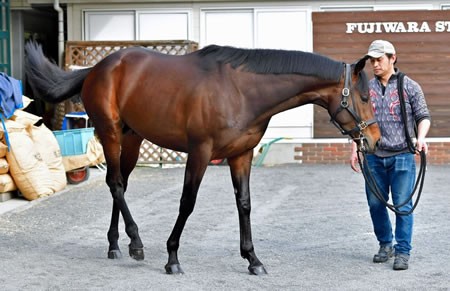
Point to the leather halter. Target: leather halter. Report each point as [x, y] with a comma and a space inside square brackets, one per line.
[346, 93]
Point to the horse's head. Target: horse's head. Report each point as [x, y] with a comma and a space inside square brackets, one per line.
[353, 113]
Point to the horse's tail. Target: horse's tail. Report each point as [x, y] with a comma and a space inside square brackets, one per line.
[49, 82]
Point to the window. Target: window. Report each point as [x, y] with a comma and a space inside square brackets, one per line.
[228, 27]
[109, 25]
[137, 25]
[283, 29]
[163, 26]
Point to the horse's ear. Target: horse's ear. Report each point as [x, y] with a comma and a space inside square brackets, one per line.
[359, 65]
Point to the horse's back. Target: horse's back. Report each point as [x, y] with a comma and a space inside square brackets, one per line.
[145, 87]
[140, 72]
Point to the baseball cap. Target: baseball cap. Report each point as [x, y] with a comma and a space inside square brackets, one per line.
[380, 47]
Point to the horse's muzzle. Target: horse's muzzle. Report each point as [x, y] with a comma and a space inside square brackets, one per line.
[367, 146]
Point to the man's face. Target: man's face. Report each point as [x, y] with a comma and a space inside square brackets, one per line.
[383, 65]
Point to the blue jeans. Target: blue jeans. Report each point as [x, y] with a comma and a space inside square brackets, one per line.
[397, 175]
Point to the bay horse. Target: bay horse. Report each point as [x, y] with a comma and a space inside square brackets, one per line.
[213, 103]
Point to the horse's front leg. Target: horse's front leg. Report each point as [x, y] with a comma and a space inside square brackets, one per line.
[240, 167]
[195, 169]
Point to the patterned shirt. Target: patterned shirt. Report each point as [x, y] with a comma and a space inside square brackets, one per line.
[388, 113]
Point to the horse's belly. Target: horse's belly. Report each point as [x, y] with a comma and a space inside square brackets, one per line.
[162, 136]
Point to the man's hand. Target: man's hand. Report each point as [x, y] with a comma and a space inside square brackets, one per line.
[421, 145]
[422, 130]
[354, 159]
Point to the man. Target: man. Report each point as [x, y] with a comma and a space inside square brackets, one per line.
[393, 165]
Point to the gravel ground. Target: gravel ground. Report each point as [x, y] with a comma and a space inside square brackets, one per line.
[311, 229]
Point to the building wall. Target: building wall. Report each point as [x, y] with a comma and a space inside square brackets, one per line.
[337, 150]
[331, 152]
[250, 26]
[75, 8]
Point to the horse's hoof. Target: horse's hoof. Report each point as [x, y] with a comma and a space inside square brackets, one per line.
[257, 270]
[174, 269]
[137, 253]
[114, 254]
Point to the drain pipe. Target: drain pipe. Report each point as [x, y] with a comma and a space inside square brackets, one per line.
[60, 32]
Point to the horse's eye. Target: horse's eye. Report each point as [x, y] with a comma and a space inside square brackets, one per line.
[364, 98]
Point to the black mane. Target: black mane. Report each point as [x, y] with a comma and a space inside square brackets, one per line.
[270, 61]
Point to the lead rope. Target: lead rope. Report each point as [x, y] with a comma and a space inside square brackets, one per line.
[371, 183]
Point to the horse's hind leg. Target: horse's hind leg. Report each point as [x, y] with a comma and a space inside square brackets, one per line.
[99, 95]
[110, 134]
[195, 169]
[240, 167]
[129, 154]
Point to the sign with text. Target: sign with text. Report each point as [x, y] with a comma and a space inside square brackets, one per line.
[397, 27]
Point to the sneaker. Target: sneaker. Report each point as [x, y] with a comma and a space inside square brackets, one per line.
[401, 262]
[384, 254]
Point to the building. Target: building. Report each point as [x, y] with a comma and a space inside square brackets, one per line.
[340, 29]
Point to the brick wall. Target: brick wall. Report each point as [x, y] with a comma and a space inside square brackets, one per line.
[339, 152]
[438, 153]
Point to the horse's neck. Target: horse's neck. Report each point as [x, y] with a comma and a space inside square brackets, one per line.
[271, 94]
